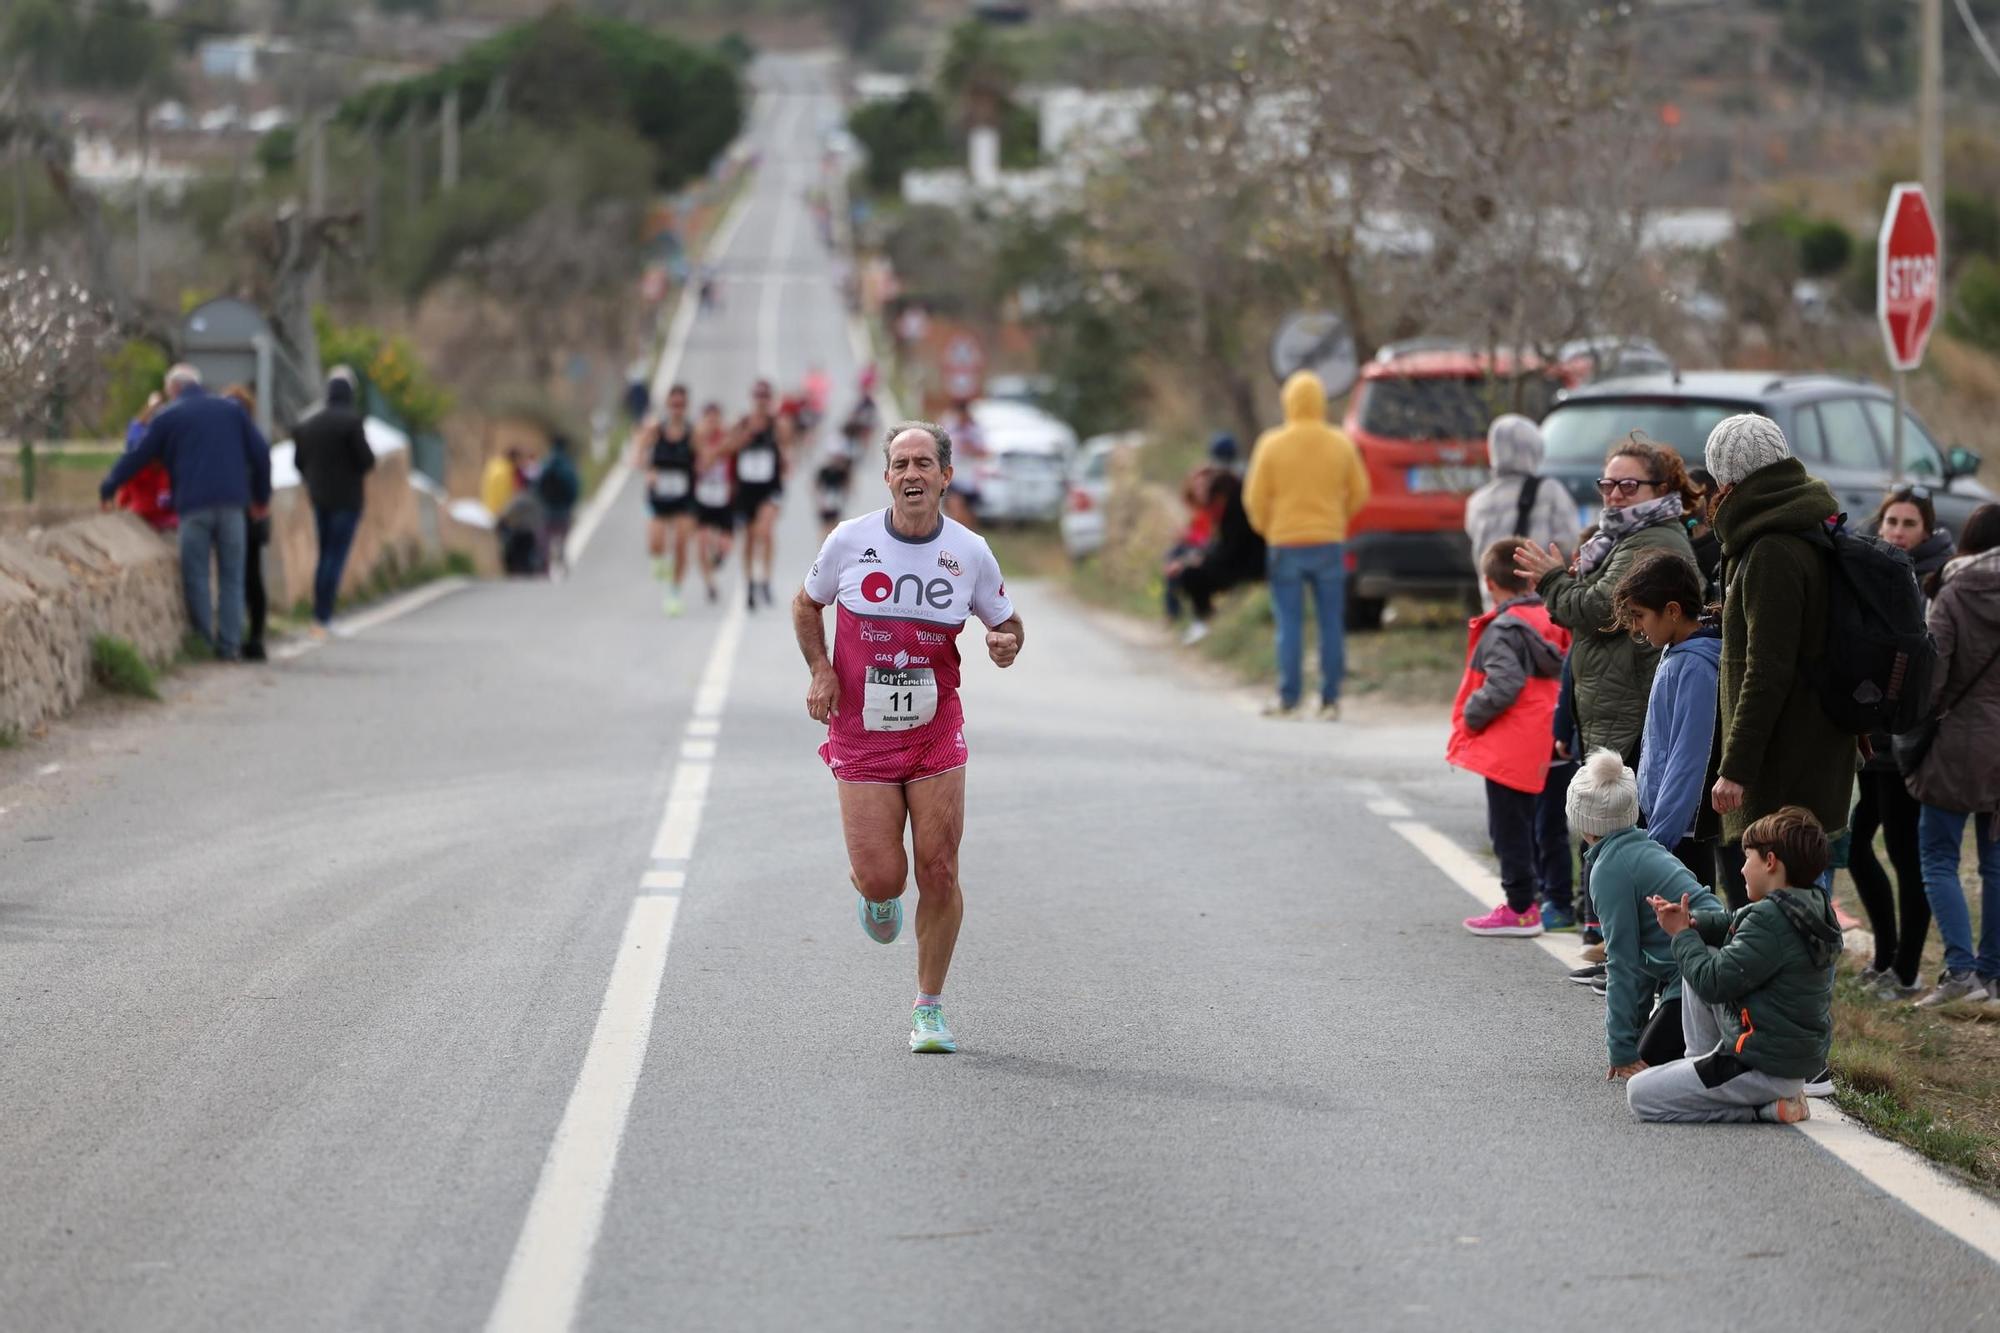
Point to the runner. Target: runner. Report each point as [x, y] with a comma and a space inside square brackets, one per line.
[714, 495]
[666, 450]
[836, 461]
[905, 579]
[761, 444]
[962, 503]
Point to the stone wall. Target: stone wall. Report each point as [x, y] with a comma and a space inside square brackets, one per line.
[61, 588]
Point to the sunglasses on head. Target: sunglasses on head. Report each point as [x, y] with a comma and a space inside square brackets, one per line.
[1627, 486]
[1911, 493]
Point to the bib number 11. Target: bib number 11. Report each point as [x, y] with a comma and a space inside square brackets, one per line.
[898, 700]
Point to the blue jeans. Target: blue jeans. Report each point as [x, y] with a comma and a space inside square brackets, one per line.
[1940, 836]
[1291, 569]
[224, 532]
[336, 529]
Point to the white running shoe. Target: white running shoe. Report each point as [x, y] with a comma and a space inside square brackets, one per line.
[883, 922]
[1195, 632]
[928, 1034]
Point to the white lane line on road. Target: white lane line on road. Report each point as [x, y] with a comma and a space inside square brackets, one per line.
[682, 818]
[1895, 1170]
[1464, 870]
[1907, 1178]
[552, 1257]
[361, 622]
[705, 726]
[713, 693]
[1390, 809]
[693, 749]
[773, 291]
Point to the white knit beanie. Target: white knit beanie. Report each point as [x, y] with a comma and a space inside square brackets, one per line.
[1603, 796]
[1743, 444]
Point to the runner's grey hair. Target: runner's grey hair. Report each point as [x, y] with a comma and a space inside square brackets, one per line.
[938, 434]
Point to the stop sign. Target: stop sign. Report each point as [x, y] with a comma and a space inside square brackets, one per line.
[1908, 262]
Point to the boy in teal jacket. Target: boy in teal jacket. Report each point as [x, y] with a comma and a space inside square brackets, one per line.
[1628, 870]
[1761, 1005]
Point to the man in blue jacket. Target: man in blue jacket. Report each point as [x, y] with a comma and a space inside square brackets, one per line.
[220, 465]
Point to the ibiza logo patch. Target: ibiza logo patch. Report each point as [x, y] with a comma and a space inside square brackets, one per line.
[949, 564]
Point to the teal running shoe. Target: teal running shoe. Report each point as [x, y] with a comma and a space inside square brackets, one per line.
[882, 921]
[928, 1034]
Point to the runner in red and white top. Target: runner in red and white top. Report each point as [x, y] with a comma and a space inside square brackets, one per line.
[904, 580]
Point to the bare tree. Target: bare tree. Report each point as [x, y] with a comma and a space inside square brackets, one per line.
[52, 337]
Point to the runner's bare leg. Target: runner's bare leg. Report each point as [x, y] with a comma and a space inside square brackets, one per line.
[937, 821]
[872, 817]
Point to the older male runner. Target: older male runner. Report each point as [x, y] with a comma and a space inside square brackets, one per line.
[905, 579]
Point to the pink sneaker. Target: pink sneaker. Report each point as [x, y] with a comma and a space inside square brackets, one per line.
[1504, 920]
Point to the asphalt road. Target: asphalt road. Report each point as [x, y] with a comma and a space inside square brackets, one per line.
[297, 977]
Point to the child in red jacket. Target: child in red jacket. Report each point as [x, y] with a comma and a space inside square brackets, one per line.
[1501, 729]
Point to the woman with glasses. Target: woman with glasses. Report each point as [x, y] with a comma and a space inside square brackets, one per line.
[1645, 489]
[1901, 919]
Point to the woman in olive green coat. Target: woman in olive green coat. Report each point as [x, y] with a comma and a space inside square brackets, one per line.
[1645, 489]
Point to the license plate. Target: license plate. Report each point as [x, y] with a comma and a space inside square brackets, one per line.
[1452, 480]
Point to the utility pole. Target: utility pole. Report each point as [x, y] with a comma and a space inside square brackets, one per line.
[316, 198]
[1930, 104]
[448, 153]
[371, 203]
[144, 268]
[413, 164]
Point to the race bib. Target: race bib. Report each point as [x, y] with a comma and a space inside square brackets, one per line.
[669, 485]
[712, 492]
[898, 700]
[757, 468]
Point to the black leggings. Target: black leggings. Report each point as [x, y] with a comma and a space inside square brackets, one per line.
[1886, 804]
[1663, 1042]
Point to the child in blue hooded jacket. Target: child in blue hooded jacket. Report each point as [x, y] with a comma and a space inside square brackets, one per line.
[1661, 599]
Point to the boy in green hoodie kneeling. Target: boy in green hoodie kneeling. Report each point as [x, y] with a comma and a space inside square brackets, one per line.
[1761, 1004]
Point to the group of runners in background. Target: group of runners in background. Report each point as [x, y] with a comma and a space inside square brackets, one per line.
[709, 481]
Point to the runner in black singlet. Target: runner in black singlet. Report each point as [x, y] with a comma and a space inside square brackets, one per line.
[761, 443]
[669, 468]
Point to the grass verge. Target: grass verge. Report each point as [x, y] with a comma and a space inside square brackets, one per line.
[118, 668]
[1926, 1078]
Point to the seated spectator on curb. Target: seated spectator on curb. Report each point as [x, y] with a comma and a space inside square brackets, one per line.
[1661, 601]
[1760, 1006]
[1628, 870]
[1501, 729]
[1519, 501]
[1234, 553]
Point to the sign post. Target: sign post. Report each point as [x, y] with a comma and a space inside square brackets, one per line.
[1908, 263]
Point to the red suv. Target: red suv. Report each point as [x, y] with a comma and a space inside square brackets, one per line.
[1419, 417]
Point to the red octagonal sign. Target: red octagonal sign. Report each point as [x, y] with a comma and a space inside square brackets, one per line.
[1908, 262]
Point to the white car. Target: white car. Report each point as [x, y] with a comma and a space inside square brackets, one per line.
[1089, 486]
[1022, 472]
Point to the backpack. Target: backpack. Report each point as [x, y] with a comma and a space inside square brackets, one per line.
[557, 486]
[1531, 486]
[1875, 670]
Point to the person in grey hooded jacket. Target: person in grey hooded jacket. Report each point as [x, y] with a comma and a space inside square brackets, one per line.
[1514, 447]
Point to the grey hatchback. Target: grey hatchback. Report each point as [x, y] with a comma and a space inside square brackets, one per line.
[1838, 427]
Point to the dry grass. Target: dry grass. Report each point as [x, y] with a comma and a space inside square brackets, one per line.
[1928, 1078]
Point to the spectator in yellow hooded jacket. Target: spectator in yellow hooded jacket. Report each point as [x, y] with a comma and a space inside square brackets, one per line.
[1306, 484]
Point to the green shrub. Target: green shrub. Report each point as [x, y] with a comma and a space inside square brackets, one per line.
[1975, 302]
[908, 132]
[118, 668]
[137, 369]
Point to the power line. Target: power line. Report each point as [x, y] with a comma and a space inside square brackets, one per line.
[1978, 37]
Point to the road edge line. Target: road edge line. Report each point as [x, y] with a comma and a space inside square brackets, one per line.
[1902, 1174]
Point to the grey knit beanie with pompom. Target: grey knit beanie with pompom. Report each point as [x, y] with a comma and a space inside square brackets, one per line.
[1743, 444]
[1603, 796]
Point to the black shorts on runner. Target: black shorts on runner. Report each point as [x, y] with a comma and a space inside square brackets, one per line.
[750, 498]
[721, 518]
[670, 508]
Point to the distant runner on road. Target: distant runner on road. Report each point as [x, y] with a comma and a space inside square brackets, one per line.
[666, 452]
[762, 444]
[905, 579]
